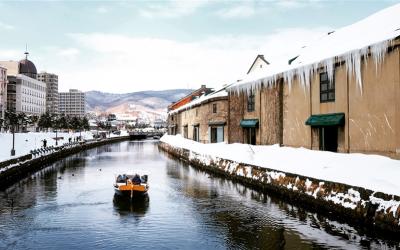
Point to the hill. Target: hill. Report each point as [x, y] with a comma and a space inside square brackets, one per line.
[144, 104]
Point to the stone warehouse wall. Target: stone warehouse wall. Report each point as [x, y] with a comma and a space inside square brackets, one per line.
[235, 134]
[362, 206]
[202, 115]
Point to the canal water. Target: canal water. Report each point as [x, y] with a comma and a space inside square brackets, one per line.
[71, 205]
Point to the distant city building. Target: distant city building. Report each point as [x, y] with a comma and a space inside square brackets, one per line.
[51, 81]
[24, 92]
[72, 103]
[3, 91]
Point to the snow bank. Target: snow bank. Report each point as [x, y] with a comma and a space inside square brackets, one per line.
[377, 173]
[370, 36]
[25, 142]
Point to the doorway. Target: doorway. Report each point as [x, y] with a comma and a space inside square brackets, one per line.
[250, 136]
[328, 138]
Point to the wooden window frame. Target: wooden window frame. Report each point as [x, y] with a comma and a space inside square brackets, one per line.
[251, 101]
[329, 90]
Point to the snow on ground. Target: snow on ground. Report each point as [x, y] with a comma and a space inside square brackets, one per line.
[374, 172]
[25, 142]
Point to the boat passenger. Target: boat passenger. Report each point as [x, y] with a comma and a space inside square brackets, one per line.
[136, 179]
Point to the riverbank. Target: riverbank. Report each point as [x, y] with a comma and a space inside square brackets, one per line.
[371, 201]
[28, 164]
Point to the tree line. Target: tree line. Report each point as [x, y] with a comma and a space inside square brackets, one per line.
[19, 121]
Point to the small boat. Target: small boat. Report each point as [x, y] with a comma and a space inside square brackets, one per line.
[131, 185]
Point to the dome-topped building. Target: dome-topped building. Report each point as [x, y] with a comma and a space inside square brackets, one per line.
[27, 67]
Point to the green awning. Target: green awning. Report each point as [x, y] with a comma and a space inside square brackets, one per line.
[249, 123]
[335, 119]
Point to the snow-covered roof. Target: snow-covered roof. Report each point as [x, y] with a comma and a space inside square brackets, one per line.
[373, 35]
[218, 93]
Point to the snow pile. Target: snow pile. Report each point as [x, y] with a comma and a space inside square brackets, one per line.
[372, 35]
[377, 173]
[25, 142]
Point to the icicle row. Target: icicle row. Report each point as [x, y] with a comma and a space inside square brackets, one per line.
[304, 73]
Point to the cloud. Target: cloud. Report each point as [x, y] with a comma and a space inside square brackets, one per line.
[119, 63]
[171, 9]
[68, 52]
[239, 11]
[294, 4]
[6, 55]
[102, 10]
[6, 26]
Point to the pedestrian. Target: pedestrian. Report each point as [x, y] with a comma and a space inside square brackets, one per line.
[44, 143]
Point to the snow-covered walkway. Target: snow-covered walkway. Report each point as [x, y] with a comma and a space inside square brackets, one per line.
[25, 142]
[374, 172]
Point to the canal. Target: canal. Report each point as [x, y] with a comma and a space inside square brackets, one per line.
[71, 205]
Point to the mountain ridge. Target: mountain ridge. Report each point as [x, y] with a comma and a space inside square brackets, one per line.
[147, 104]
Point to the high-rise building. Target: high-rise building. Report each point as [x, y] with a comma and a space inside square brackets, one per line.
[72, 103]
[51, 81]
[3, 91]
[24, 92]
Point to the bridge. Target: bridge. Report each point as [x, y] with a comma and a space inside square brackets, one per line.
[140, 135]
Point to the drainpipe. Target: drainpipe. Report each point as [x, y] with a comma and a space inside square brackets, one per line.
[259, 115]
[311, 141]
[228, 123]
[348, 115]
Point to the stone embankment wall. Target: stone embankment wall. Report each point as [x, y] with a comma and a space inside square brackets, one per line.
[23, 166]
[369, 209]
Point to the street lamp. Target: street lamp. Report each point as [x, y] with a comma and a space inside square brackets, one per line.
[56, 125]
[11, 120]
[13, 144]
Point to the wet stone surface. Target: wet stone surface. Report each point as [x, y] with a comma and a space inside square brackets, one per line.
[71, 205]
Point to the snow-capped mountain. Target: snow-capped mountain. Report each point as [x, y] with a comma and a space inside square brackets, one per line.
[147, 105]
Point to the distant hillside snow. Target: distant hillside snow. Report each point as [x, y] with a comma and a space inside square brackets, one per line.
[143, 104]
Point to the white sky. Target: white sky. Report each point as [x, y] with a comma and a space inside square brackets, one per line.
[132, 46]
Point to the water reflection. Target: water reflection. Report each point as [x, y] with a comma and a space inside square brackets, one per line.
[137, 207]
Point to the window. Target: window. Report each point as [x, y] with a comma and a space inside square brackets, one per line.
[196, 136]
[327, 88]
[214, 108]
[250, 102]
[185, 131]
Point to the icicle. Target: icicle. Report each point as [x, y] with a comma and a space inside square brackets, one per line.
[305, 73]
[378, 52]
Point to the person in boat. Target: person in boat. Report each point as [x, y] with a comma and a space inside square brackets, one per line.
[120, 179]
[136, 179]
